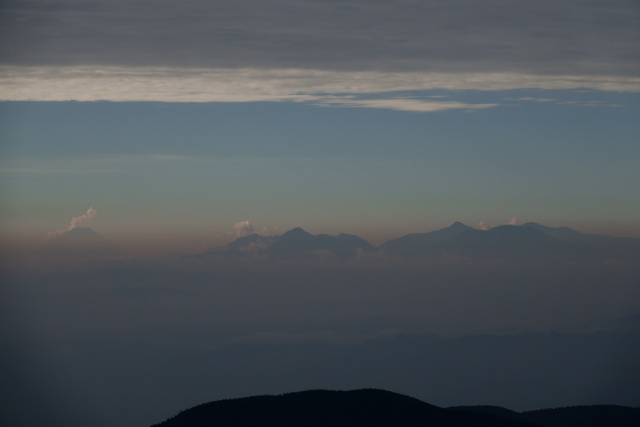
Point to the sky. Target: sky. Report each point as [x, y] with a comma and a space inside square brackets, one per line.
[180, 120]
[174, 127]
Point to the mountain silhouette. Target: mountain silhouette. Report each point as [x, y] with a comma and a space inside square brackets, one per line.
[508, 242]
[81, 242]
[418, 244]
[527, 243]
[298, 243]
[586, 416]
[573, 416]
[252, 244]
[293, 245]
[530, 242]
[596, 247]
[368, 407]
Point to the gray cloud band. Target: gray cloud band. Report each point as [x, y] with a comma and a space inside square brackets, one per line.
[572, 37]
[311, 50]
[326, 88]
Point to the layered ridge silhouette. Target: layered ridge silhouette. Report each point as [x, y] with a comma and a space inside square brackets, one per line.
[294, 244]
[530, 242]
[373, 407]
[369, 407]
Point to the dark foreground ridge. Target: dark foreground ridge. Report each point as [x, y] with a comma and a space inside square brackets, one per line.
[371, 407]
[572, 416]
[332, 408]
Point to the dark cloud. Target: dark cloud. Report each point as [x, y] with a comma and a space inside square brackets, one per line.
[543, 37]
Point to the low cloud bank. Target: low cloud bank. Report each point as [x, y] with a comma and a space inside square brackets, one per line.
[324, 88]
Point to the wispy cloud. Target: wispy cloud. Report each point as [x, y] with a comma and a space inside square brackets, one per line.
[402, 104]
[47, 171]
[127, 163]
[89, 165]
[535, 99]
[145, 158]
[590, 104]
[576, 103]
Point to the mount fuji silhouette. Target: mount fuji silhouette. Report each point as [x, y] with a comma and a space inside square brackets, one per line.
[82, 242]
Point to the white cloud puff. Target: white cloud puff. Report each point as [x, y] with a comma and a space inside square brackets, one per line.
[243, 228]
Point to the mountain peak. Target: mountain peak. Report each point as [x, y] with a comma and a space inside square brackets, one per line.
[296, 232]
[458, 224]
[81, 231]
[531, 224]
[297, 243]
[78, 235]
[536, 226]
[82, 242]
[514, 229]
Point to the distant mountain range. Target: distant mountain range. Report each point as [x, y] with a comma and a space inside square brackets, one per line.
[530, 242]
[295, 244]
[372, 407]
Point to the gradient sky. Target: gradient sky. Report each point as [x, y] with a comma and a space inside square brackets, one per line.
[365, 117]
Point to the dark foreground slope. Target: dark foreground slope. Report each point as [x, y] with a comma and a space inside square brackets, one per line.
[333, 408]
[573, 416]
[586, 416]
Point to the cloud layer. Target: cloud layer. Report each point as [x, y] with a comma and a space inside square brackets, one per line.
[326, 88]
[542, 37]
[283, 50]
